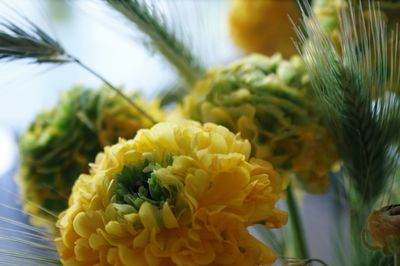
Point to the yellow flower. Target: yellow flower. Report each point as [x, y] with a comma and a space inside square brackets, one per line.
[60, 143]
[384, 229]
[270, 102]
[263, 26]
[177, 194]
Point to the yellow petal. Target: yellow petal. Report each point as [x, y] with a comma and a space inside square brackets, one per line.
[115, 229]
[169, 219]
[148, 214]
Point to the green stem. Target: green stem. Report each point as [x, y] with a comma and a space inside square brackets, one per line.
[359, 211]
[357, 218]
[297, 227]
[397, 259]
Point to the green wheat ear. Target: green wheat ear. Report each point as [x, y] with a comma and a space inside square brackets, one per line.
[31, 43]
[22, 243]
[356, 84]
[356, 81]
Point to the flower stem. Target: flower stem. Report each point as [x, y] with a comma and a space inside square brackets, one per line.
[297, 227]
[397, 259]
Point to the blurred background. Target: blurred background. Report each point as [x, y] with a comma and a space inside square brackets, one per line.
[115, 49]
[100, 38]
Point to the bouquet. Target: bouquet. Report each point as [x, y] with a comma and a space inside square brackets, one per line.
[213, 170]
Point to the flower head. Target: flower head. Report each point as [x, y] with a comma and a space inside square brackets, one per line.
[270, 102]
[177, 194]
[384, 229]
[60, 143]
[253, 25]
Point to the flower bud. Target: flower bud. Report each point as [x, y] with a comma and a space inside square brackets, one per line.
[384, 229]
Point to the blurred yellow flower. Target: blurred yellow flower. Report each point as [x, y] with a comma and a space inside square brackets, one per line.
[177, 194]
[317, 153]
[270, 102]
[60, 143]
[263, 26]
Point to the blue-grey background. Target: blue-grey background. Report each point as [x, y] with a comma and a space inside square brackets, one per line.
[114, 48]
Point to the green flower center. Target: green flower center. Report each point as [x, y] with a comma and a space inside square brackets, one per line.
[135, 185]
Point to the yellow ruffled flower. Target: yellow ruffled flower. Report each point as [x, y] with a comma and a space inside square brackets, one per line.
[384, 229]
[60, 143]
[270, 102]
[263, 26]
[177, 194]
